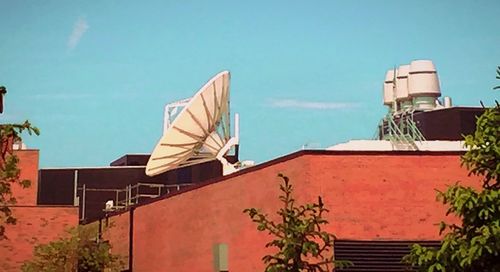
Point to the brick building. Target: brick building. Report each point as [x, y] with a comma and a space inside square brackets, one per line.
[189, 217]
[376, 198]
[36, 224]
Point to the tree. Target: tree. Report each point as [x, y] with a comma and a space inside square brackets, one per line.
[301, 244]
[483, 157]
[473, 245]
[82, 250]
[9, 171]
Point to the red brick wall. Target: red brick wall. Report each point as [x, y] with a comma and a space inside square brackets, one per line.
[28, 163]
[116, 231]
[370, 197]
[385, 197]
[178, 233]
[35, 225]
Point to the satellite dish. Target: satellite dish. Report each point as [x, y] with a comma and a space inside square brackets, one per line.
[199, 133]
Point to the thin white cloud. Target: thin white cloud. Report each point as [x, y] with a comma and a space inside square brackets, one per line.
[59, 96]
[82, 95]
[303, 104]
[6, 117]
[79, 29]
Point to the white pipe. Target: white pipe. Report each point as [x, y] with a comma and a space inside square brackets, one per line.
[237, 127]
[447, 102]
[76, 201]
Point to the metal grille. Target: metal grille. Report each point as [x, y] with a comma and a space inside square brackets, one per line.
[376, 256]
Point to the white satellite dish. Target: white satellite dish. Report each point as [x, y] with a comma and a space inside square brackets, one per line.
[199, 133]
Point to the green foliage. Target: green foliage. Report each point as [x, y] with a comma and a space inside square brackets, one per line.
[9, 172]
[474, 244]
[80, 251]
[299, 240]
[483, 156]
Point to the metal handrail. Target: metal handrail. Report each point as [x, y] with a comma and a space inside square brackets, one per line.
[413, 126]
[396, 132]
[405, 131]
[399, 135]
[132, 193]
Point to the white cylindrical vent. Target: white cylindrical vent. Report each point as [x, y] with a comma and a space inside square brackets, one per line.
[423, 80]
[389, 88]
[402, 83]
[423, 84]
[447, 102]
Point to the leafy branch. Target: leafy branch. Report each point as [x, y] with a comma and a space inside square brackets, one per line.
[474, 244]
[483, 156]
[9, 170]
[301, 243]
[81, 250]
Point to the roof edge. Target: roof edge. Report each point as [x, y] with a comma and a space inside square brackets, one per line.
[281, 159]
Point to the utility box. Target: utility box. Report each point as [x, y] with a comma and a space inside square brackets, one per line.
[220, 253]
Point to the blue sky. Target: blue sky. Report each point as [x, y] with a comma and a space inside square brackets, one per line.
[94, 76]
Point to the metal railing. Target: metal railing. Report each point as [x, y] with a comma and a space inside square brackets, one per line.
[404, 131]
[412, 127]
[133, 193]
[130, 195]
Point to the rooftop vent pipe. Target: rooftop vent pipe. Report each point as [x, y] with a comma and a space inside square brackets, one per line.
[423, 84]
[402, 96]
[389, 88]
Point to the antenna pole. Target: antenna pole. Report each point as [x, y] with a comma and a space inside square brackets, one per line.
[166, 121]
[76, 200]
[3, 91]
[394, 103]
[83, 202]
[237, 126]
